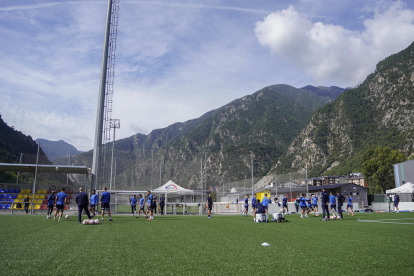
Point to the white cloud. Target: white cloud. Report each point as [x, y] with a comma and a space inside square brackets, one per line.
[329, 52]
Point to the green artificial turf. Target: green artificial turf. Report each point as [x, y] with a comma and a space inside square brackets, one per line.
[195, 245]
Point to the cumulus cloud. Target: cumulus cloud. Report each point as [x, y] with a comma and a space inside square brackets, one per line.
[329, 52]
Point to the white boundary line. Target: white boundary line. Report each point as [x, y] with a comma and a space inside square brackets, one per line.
[390, 222]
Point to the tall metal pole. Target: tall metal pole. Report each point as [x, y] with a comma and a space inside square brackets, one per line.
[201, 175]
[17, 181]
[152, 168]
[67, 175]
[205, 170]
[307, 185]
[115, 173]
[290, 185]
[35, 178]
[96, 173]
[112, 161]
[252, 176]
[160, 171]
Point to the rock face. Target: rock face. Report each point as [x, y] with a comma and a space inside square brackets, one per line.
[57, 149]
[264, 123]
[379, 112]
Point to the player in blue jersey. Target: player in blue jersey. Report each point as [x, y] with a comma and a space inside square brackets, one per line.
[332, 200]
[93, 203]
[60, 203]
[105, 199]
[302, 205]
[150, 199]
[141, 206]
[133, 201]
[246, 206]
[265, 203]
[349, 206]
[315, 205]
[50, 202]
[309, 201]
[285, 204]
[254, 200]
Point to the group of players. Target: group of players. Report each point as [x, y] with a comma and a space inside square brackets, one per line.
[307, 205]
[60, 201]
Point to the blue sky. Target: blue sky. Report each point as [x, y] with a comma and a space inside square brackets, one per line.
[177, 60]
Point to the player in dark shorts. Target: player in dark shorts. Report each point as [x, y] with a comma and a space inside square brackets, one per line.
[105, 199]
[254, 204]
[50, 202]
[246, 206]
[93, 203]
[60, 203]
[141, 206]
[162, 204]
[209, 205]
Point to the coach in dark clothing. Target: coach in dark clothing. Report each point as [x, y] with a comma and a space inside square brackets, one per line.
[325, 202]
[162, 203]
[83, 202]
[341, 199]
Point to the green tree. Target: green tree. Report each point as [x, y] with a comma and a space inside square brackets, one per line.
[377, 167]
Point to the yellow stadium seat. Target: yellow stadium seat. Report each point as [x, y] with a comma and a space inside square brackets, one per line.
[44, 191]
[36, 196]
[19, 196]
[22, 191]
[38, 191]
[28, 191]
[37, 207]
[30, 196]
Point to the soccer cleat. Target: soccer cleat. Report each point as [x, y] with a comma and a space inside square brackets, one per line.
[132, 215]
[137, 216]
[323, 219]
[101, 219]
[110, 219]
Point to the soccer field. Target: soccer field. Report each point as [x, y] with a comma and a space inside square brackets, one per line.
[195, 245]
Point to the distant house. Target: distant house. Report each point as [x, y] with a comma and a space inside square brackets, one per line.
[331, 180]
[357, 179]
[317, 181]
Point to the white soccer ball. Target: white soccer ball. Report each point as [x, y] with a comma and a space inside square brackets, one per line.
[85, 222]
[67, 216]
[96, 221]
[91, 221]
[338, 217]
[333, 217]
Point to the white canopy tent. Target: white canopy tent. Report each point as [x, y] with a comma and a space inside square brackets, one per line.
[171, 188]
[407, 188]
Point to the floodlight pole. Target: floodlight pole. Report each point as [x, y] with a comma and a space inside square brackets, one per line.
[201, 175]
[96, 173]
[115, 173]
[17, 181]
[114, 123]
[35, 178]
[290, 185]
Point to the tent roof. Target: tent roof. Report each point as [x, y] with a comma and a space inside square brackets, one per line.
[171, 187]
[11, 167]
[406, 188]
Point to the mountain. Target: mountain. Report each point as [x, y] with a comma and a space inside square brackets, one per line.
[12, 144]
[264, 123]
[57, 149]
[378, 112]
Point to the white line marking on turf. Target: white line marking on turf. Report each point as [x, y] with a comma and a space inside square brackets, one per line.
[385, 221]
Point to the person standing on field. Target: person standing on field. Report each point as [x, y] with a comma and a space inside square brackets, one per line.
[83, 202]
[325, 204]
[50, 202]
[133, 201]
[150, 199]
[93, 203]
[209, 205]
[60, 203]
[396, 202]
[162, 204]
[105, 199]
[341, 200]
[388, 200]
[26, 201]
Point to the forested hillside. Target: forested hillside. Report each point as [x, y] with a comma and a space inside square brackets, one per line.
[379, 112]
